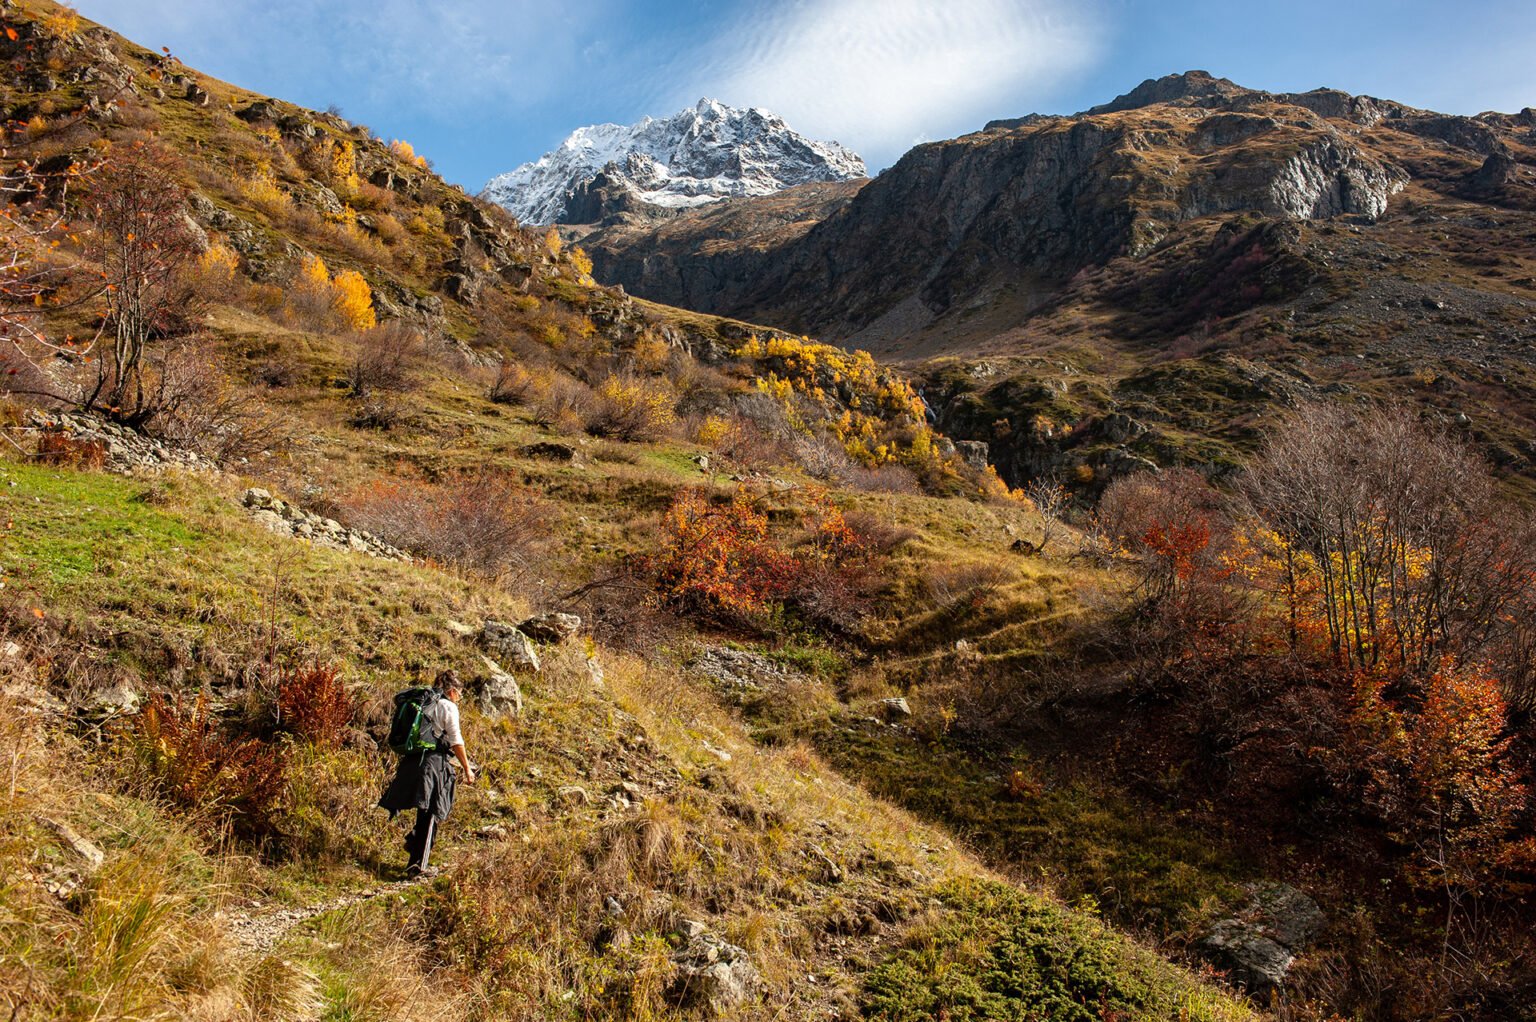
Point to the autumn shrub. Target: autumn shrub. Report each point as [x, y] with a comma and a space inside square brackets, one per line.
[391, 231]
[363, 249]
[354, 300]
[62, 23]
[822, 457]
[484, 522]
[56, 447]
[718, 557]
[388, 360]
[375, 199]
[320, 301]
[514, 383]
[836, 566]
[204, 411]
[380, 411]
[186, 756]
[560, 402]
[215, 274]
[262, 189]
[631, 408]
[406, 153]
[1440, 773]
[1177, 529]
[308, 299]
[314, 704]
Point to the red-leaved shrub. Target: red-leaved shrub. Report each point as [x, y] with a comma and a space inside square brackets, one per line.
[314, 704]
[186, 756]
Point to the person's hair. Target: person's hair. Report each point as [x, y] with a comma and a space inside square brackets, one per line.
[448, 681]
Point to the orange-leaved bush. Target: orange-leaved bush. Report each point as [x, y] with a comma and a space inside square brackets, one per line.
[187, 757]
[1440, 774]
[314, 704]
[719, 557]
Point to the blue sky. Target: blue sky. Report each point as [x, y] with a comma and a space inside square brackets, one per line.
[480, 86]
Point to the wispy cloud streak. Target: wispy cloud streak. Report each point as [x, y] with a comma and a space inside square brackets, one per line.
[883, 74]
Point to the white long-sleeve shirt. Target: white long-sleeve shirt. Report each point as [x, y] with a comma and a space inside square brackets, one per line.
[444, 718]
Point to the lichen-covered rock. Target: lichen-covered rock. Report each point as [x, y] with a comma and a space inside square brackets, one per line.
[975, 452]
[1252, 959]
[498, 692]
[1288, 915]
[1259, 945]
[551, 628]
[712, 975]
[509, 646]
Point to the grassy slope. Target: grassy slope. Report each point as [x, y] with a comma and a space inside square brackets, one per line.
[123, 567]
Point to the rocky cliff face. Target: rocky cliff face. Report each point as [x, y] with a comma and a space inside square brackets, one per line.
[1013, 209]
[696, 156]
[1137, 284]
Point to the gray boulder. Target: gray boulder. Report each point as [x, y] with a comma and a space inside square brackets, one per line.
[551, 628]
[498, 693]
[1253, 960]
[509, 645]
[1288, 915]
[712, 975]
[1259, 946]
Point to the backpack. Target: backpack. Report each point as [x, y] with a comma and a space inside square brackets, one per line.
[406, 733]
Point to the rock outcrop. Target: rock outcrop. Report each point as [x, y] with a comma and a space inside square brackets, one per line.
[126, 450]
[1259, 946]
[712, 975]
[550, 628]
[497, 692]
[509, 646]
[287, 519]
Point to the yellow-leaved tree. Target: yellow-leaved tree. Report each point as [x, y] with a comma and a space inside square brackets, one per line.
[354, 300]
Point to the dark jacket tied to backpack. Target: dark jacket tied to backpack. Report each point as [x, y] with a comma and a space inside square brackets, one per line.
[424, 780]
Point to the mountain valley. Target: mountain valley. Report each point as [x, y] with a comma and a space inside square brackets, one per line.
[1084, 572]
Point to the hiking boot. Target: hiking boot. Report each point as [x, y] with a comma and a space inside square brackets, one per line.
[421, 872]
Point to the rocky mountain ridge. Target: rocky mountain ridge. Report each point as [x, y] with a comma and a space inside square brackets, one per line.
[1190, 221]
[694, 157]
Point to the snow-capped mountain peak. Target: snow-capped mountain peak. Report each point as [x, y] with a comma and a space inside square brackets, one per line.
[707, 152]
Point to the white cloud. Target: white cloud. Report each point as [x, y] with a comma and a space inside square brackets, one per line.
[876, 74]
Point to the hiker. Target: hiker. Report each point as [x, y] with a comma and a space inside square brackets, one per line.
[426, 734]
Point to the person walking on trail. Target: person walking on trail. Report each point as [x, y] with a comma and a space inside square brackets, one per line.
[427, 736]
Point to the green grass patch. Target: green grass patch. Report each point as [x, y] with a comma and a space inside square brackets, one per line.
[999, 954]
[1094, 845]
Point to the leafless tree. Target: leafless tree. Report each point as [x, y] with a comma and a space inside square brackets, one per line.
[1399, 526]
[1051, 500]
[147, 241]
